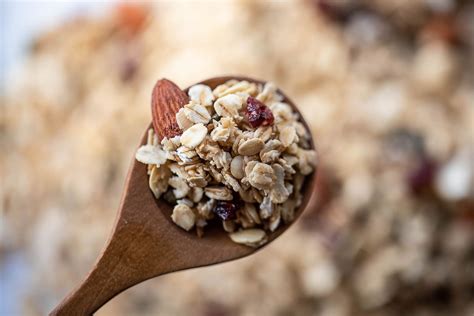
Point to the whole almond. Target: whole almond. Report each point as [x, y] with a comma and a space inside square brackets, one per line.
[167, 98]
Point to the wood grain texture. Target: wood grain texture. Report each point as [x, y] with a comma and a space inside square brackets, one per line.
[145, 243]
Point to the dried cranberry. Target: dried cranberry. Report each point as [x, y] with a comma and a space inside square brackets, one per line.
[332, 10]
[421, 178]
[442, 27]
[225, 210]
[258, 113]
[128, 69]
[131, 17]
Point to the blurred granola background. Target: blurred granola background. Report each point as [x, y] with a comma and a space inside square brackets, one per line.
[387, 87]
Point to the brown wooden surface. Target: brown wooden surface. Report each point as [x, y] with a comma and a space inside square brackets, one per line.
[145, 243]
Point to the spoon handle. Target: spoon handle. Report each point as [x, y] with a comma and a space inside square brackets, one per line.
[137, 250]
[114, 272]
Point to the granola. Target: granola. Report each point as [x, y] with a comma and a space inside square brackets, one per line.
[241, 159]
[365, 227]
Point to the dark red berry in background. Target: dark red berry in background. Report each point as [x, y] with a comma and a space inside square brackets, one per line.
[225, 210]
[258, 113]
[335, 11]
[420, 179]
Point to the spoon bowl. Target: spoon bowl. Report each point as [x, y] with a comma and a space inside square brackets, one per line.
[145, 243]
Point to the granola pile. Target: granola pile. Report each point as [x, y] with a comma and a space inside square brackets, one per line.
[387, 87]
[242, 159]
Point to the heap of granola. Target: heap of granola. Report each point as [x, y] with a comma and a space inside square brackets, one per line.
[242, 159]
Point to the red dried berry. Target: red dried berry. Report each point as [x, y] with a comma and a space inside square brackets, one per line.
[258, 113]
[225, 210]
[421, 178]
[333, 10]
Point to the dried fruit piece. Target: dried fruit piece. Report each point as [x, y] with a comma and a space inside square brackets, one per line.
[131, 17]
[258, 113]
[226, 210]
[421, 178]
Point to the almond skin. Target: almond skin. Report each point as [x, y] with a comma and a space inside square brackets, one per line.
[167, 98]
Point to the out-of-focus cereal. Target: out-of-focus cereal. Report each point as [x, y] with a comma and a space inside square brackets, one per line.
[382, 100]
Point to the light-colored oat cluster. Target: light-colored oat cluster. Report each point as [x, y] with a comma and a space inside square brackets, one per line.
[222, 168]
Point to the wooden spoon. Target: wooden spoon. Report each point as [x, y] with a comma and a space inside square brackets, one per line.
[145, 243]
